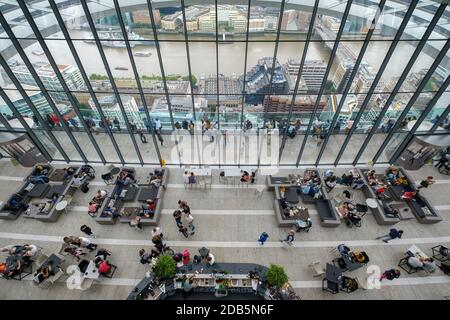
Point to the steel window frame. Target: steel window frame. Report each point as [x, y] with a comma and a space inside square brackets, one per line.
[325, 78]
[61, 79]
[297, 82]
[401, 80]
[40, 84]
[29, 131]
[30, 104]
[80, 66]
[413, 99]
[374, 84]
[348, 85]
[110, 77]
[136, 75]
[419, 121]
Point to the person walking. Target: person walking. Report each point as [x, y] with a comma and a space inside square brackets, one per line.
[425, 183]
[87, 231]
[393, 234]
[289, 238]
[390, 274]
[190, 220]
[158, 125]
[177, 217]
[157, 241]
[263, 238]
[117, 123]
[183, 230]
[160, 138]
[142, 136]
[157, 232]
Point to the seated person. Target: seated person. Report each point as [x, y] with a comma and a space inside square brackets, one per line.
[408, 195]
[16, 271]
[44, 273]
[155, 181]
[54, 198]
[125, 178]
[15, 203]
[93, 207]
[40, 179]
[192, 179]
[347, 179]
[30, 251]
[12, 249]
[414, 262]
[68, 172]
[103, 266]
[148, 209]
[110, 212]
[429, 264]
[444, 251]
[358, 183]
[330, 182]
[371, 175]
[359, 257]
[101, 255]
[78, 180]
[100, 196]
[245, 177]
[390, 211]
[342, 210]
[402, 181]
[393, 171]
[347, 196]
[343, 249]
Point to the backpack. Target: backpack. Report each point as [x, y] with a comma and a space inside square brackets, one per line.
[84, 187]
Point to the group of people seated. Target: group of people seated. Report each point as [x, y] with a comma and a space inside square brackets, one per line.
[101, 261]
[330, 180]
[353, 256]
[377, 185]
[19, 256]
[148, 209]
[348, 210]
[427, 264]
[16, 203]
[310, 184]
[97, 201]
[352, 179]
[189, 178]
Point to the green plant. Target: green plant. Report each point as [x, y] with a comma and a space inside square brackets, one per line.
[165, 266]
[276, 276]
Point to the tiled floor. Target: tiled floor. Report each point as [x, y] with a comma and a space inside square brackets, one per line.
[228, 221]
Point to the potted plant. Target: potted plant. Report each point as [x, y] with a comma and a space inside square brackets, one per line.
[276, 276]
[165, 267]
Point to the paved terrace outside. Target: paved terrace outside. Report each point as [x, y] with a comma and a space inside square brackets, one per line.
[228, 221]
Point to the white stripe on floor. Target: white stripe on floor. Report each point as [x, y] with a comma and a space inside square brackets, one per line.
[8, 178]
[235, 244]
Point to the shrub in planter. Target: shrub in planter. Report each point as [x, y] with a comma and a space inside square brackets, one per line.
[276, 276]
[165, 266]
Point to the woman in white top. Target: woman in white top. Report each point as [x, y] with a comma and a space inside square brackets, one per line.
[156, 232]
[210, 258]
[31, 250]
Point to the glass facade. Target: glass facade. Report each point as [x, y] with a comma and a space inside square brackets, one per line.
[261, 83]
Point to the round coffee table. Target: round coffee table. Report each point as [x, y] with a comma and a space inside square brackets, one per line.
[61, 206]
[372, 203]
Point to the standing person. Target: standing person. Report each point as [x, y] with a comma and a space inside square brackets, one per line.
[133, 126]
[117, 123]
[158, 125]
[35, 120]
[55, 120]
[87, 231]
[390, 274]
[177, 216]
[184, 207]
[183, 230]
[263, 238]
[160, 138]
[190, 220]
[191, 128]
[393, 234]
[157, 241]
[225, 135]
[157, 232]
[426, 182]
[142, 136]
[50, 121]
[290, 238]
[136, 223]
